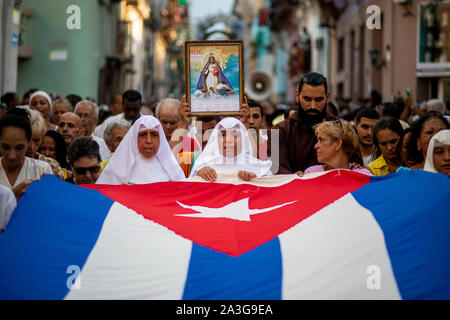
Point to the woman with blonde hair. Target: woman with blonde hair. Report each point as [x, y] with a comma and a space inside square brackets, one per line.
[336, 143]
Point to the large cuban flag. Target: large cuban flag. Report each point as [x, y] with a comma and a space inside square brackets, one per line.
[338, 235]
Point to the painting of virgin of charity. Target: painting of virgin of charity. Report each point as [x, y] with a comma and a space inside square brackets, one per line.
[211, 76]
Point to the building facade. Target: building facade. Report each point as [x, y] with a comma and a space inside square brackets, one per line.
[406, 51]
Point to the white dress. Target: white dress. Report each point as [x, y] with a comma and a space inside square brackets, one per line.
[31, 169]
[211, 79]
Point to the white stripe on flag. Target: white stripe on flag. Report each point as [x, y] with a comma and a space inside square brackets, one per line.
[134, 258]
[329, 255]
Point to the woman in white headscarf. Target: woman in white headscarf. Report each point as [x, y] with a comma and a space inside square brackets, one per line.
[229, 151]
[143, 156]
[438, 153]
[42, 102]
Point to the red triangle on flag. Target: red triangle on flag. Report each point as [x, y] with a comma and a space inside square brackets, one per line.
[233, 219]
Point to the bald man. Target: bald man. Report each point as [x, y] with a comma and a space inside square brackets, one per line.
[70, 127]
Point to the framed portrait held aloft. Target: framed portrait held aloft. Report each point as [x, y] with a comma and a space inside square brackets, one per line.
[214, 77]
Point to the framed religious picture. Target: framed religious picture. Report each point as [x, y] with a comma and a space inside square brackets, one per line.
[214, 77]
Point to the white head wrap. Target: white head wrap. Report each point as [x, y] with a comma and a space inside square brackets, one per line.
[441, 138]
[128, 165]
[45, 95]
[212, 157]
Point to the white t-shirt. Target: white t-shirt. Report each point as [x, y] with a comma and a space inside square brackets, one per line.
[368, 159]
[31, 169]
[101, 128]
[7, 205]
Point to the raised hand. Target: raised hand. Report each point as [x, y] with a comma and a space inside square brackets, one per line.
[244, 112]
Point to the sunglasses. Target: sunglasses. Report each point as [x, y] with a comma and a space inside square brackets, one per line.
[92, 170]
[313, 79]
[339, 123]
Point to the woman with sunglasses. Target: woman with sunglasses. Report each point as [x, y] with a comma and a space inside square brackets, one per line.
[336, 143]
[388, 138]
[143, 156]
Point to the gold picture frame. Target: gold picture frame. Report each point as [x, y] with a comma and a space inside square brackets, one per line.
[214, 77]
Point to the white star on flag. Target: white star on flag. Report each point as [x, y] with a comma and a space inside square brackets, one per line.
[238, 210]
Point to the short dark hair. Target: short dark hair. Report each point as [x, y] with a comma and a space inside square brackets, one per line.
[73, 99]
[84, 147]
[314, 79]
[366, 112]
[16, 121]
[390, 109]
[29, 93]
[334, 110]
[375, 97]
[8, 97]
[132, 96]
[255, 104]
[392, 124]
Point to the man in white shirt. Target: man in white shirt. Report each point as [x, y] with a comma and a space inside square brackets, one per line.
[88, 112]
[131, 105]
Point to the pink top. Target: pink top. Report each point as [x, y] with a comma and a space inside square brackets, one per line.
[319, 168]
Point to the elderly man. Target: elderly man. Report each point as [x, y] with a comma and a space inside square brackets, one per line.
[131, 106]
[70, 127]
[172, 118]
[88, 112]
[113, 135]
[115, 132]
[84, 157]
[296, 135]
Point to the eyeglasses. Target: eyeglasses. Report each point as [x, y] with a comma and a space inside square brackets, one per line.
[92, 170]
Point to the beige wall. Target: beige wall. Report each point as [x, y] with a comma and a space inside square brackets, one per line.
[397, 31]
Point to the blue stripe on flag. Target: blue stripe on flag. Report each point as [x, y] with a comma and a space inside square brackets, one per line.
[53, 239]
[255, 275]
[411, 208]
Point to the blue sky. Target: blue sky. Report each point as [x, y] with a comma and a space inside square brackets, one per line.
[202, 8]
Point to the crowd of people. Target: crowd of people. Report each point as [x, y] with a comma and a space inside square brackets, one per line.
[129, 143]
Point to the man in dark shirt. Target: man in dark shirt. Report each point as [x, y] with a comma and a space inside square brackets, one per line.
[296, 134]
